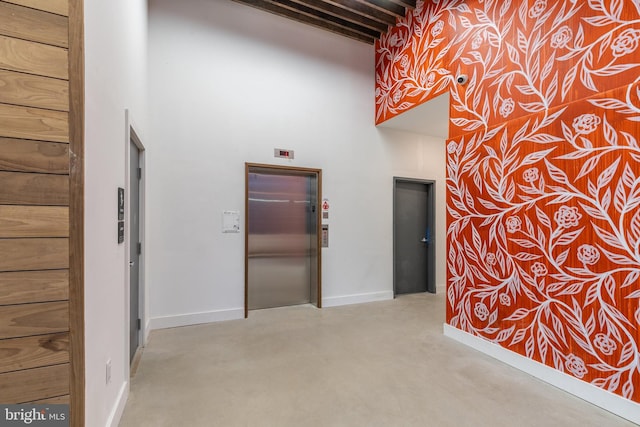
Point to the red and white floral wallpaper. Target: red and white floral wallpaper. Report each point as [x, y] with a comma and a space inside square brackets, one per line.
[543, 172]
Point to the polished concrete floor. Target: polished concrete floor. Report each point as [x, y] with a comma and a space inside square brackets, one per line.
[378, 364]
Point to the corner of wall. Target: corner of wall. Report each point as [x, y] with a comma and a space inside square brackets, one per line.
[118, 409]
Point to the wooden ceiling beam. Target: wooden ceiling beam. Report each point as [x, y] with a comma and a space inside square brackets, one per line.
[364, 10]
[329, 19]
[295, 13]
[345, 14]
[405, 3]
[385, 6]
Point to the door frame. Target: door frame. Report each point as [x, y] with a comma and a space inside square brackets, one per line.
[133, 136]
[431, 221]
[294, 171]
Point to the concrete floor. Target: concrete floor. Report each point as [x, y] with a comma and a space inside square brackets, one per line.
[378, 364]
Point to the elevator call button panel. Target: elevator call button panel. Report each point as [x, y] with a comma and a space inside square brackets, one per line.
[325, 235]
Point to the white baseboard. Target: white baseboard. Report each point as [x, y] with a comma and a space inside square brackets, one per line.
[118, 409]
[357, 298]
[195, 318]
[613, 403]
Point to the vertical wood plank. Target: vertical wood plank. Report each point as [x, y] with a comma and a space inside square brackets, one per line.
[76, 212]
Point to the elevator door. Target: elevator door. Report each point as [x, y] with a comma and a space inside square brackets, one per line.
[282, 239]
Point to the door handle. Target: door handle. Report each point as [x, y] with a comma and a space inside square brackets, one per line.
[424, 240]
[131, 263]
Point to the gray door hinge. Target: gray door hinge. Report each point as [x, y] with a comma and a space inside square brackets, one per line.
[139, 324]
[139, 173]
[139, 248]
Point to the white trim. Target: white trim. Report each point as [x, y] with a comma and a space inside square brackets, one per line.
[143, 291]
[118, 409]
[147, 330]
[195, 318]
[357, 298]
[130, 127]
[606, 400]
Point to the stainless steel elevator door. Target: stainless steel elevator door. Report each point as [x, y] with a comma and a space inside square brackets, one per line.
[282, 239]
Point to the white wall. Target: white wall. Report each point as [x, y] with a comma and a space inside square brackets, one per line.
[228, 84]
[115, 72]
[422, 156]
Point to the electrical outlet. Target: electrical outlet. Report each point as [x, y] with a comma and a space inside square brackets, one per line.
[108, 372]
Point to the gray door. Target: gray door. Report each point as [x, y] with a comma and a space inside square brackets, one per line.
[414, 246]
[134, 253]
[282, 259]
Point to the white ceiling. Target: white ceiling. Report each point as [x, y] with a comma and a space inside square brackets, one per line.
[430, 118]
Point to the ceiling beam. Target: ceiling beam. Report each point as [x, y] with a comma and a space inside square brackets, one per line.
[405, 3]
[365, 10]
[345, 14]
[293, 12]
[385, 6]
[329, 19]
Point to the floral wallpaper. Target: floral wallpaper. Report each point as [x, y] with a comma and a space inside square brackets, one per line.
[543, 172]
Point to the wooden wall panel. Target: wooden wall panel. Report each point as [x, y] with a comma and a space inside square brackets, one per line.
[34, 25]
[76, 211]
[33, 221]
[33, 91]
[33, 123]
[25, 320]
[58, 400]
[41, 299]
[34, 189]
[34, 254]
[23, 155]
[22, 287]
[60, 7]
[33, 352]
[33, 58]
[34, 384]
